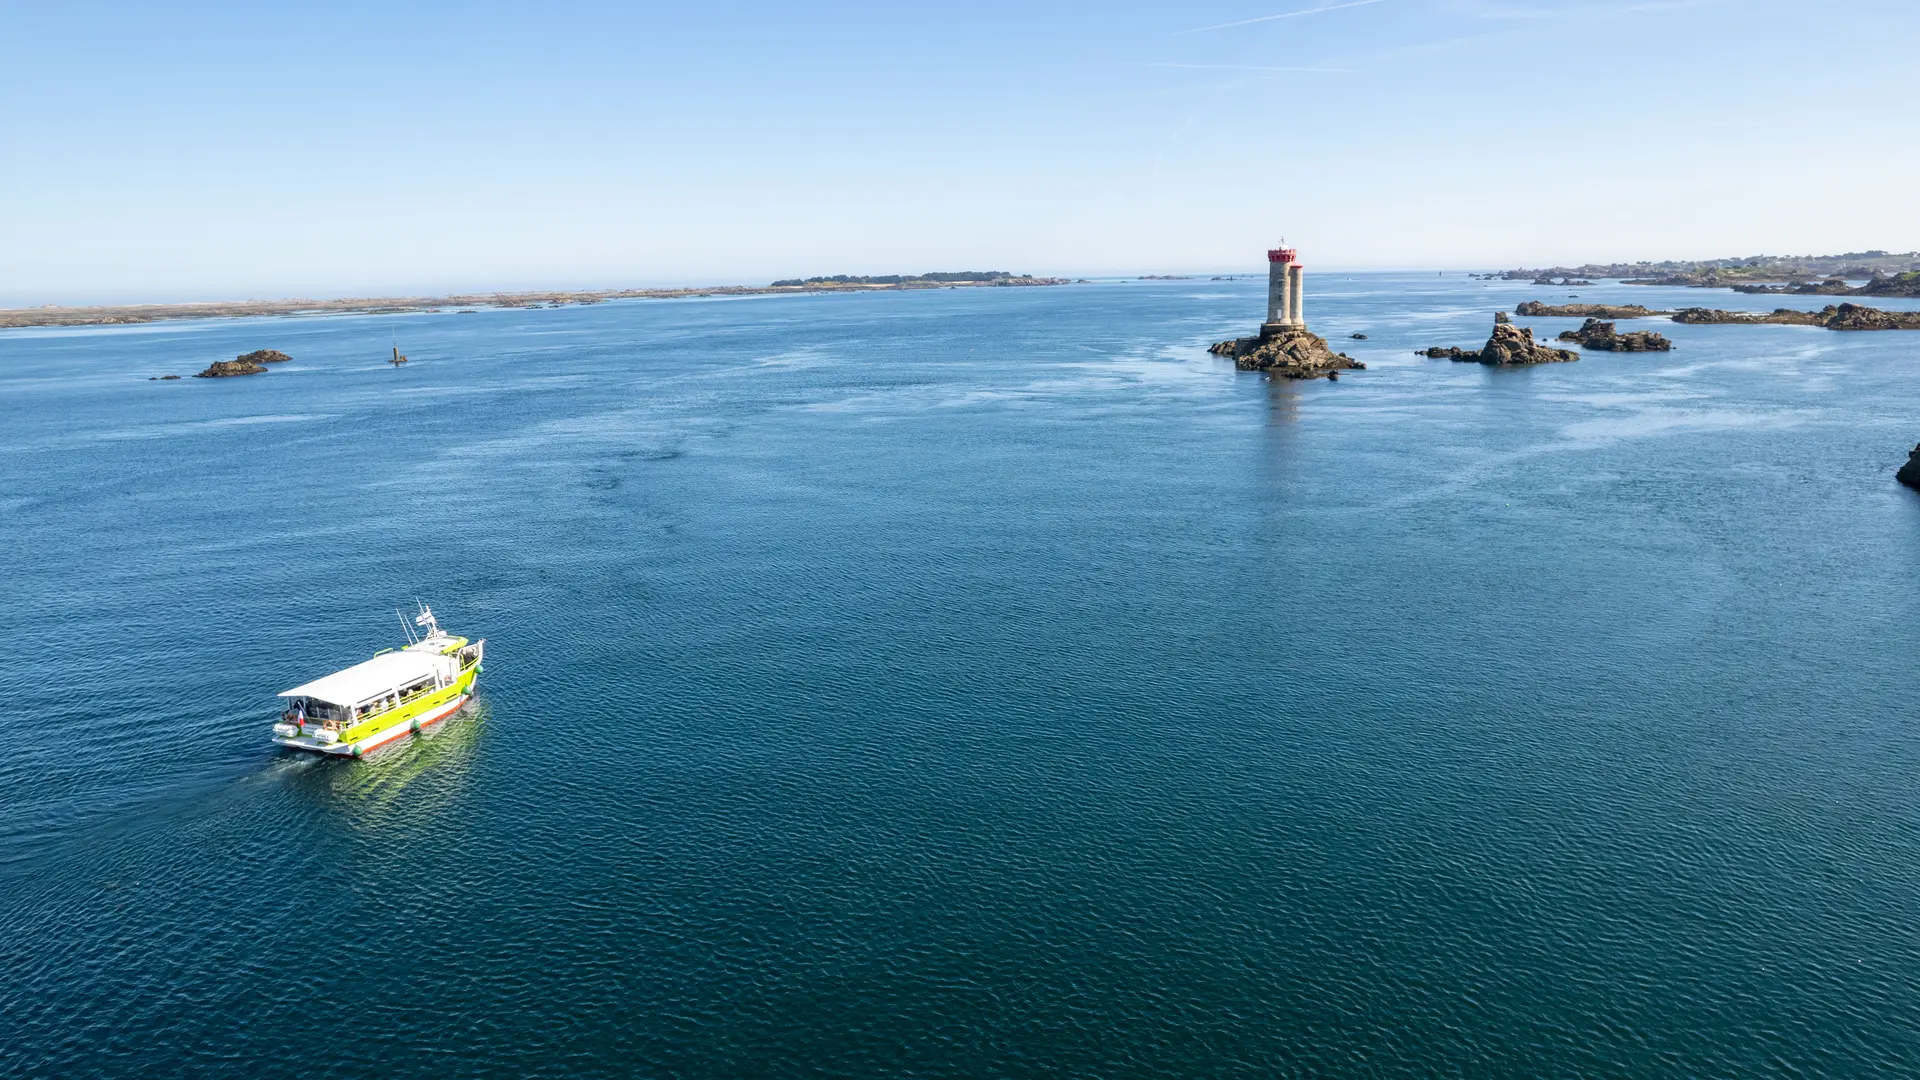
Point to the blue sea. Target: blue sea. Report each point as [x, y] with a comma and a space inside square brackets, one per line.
[968, 683]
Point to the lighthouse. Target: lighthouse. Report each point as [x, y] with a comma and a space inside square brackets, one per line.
[1286, 300]
[1285, 346]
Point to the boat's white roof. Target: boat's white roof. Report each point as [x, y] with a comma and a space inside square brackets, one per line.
[373, 678]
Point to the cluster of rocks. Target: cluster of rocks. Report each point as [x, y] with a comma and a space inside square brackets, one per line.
[1595, 334]
[1856, 317]
[1833, 317]
[1510, 346]
[1906, 284]
[1699, 316]
[1587, 311]
[1563, 282]
[1705, 279]
[1289, 352]
[221, 369]
[252, 363]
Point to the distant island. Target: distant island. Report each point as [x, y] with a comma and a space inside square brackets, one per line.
[119, 314]
[921, 281]
[1885, 273]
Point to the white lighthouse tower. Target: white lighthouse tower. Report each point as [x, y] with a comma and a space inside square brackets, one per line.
[1286, 292]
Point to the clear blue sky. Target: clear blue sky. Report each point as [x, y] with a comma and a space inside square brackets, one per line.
[257, 150]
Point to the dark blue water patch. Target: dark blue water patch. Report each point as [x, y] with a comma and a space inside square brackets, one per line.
[966, 682]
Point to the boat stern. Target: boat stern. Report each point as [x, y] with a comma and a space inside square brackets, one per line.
[311, 742]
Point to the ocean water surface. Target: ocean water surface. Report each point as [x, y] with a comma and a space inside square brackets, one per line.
[972, 682]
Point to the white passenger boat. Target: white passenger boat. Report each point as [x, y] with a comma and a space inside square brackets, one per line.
[399, 691]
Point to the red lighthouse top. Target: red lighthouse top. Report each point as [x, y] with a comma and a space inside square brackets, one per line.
[1286, 255]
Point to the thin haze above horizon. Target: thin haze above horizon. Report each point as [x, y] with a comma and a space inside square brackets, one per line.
[228, 151]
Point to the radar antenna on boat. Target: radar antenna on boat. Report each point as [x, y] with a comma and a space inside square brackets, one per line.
[426, 621]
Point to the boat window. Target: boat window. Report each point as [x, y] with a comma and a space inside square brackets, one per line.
[419, 687]
[320, 711]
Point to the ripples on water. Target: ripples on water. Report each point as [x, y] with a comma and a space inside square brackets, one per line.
[966, 682]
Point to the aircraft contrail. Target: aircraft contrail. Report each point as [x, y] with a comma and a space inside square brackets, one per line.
[1282, 15]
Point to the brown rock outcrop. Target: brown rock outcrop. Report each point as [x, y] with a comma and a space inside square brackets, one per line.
[1907, 284]
[1513, 346]
[263, 356]
[1594, 334]
[1291, 353]
[221, 369]
[1855, 317]
[1510, 346]
[1586, 311]
[1700, 316]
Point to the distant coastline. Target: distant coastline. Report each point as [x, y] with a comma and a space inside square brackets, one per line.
[1885, 273]
[130, 314]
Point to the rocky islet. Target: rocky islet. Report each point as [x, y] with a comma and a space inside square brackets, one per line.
[1289, 352]
[224, 369]
[1601, 335]
[252, 363]
[1509, 346]
[1586, 311]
